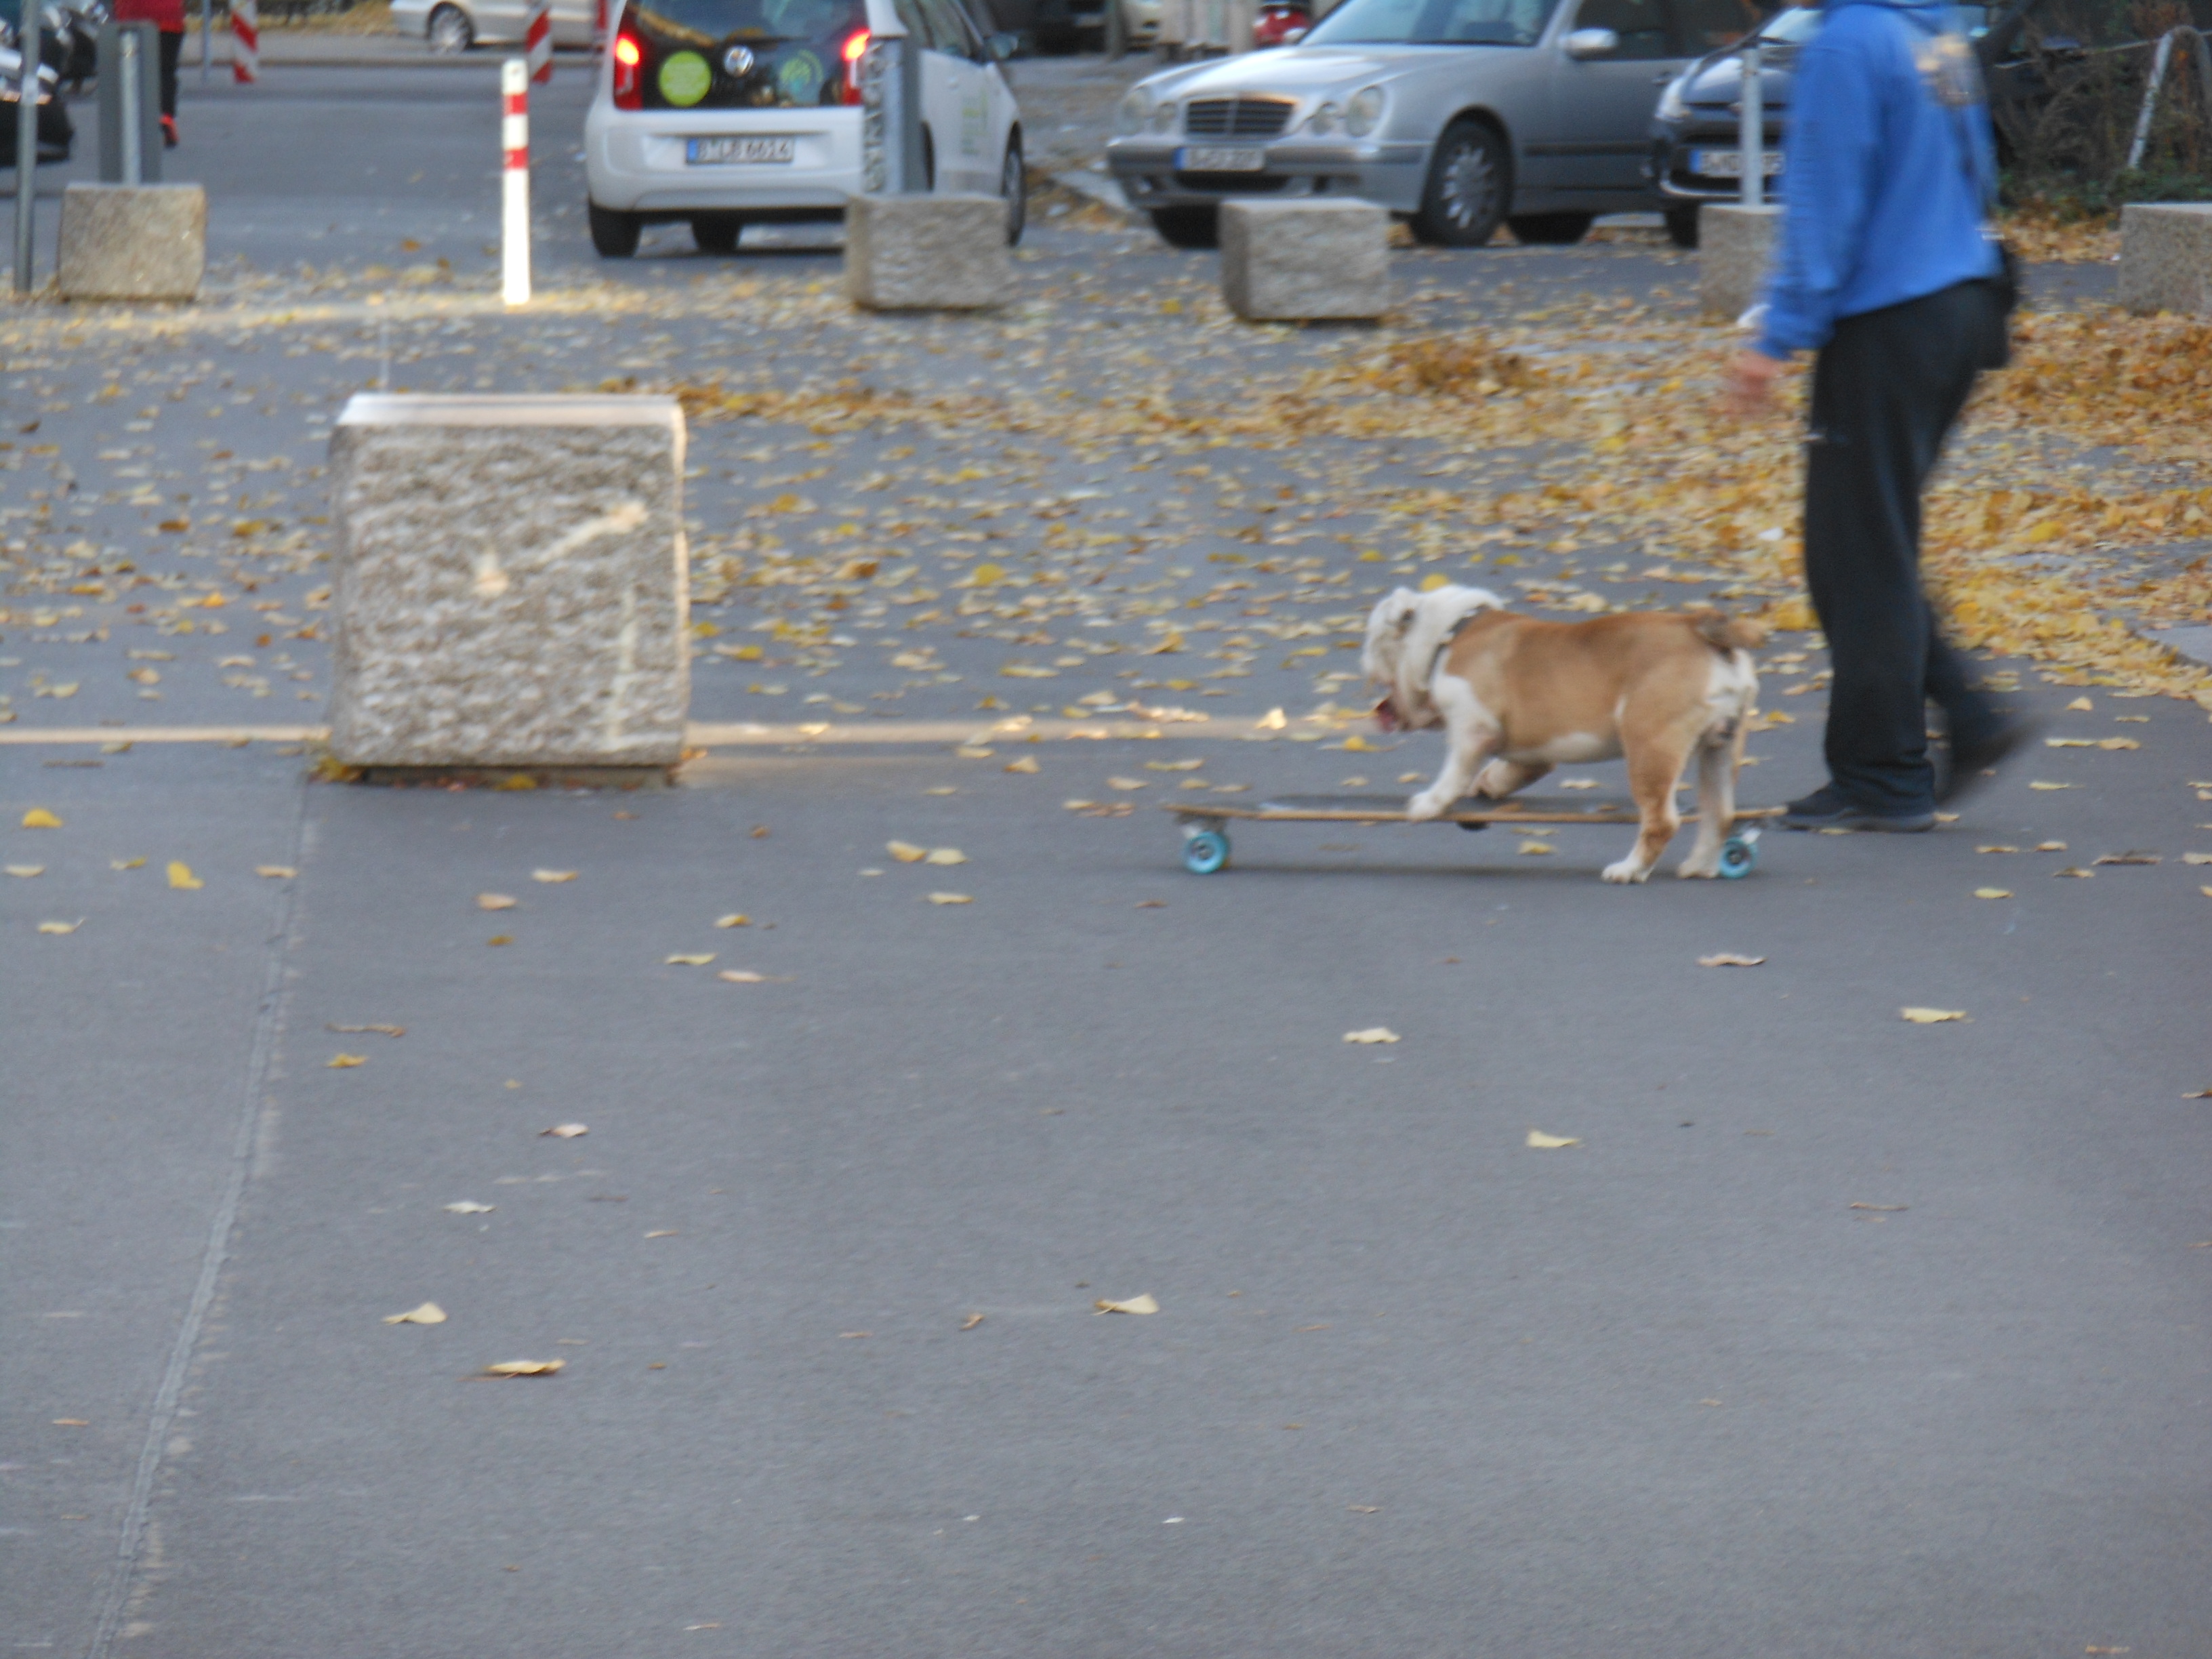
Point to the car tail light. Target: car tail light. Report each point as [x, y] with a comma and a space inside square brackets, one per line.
[629, 69]
[854, 49]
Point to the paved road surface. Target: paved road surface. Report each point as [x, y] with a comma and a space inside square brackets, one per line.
[1833, 1334]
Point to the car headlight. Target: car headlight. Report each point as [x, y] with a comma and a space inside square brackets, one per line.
[1164, 116]
[1324, 120]
[1135, 110]
[1671, 105]
[1364, 112]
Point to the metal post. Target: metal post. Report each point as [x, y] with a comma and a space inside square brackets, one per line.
[1752, 133]
[514, 181]
[207, 38]
[26, 140]
[890, 116]
[134, 158]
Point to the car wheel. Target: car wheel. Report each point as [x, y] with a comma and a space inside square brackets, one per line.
[712, 233]
[1682, 225]
[450, 30]
[1468, 189]
[1550, 229]
[614, 235]
[1189, 227]
[1014, 185]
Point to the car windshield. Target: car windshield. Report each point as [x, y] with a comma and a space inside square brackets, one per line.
[819, 23]
[1797, 25]
[1432, 23]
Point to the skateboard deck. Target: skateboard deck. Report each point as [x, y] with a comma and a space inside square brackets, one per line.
[1384, 809]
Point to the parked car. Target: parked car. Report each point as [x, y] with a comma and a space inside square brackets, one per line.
[730, 112]
[1457, 115]
[56, 132]
[1696, 129]
[1066, 25]
[457, 25]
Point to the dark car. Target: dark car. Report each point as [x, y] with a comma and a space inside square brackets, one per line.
[55, 133]
[1696, 129]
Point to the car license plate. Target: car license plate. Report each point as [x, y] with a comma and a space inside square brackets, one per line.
[1729, 163]
[723, 151]
[1220, 158]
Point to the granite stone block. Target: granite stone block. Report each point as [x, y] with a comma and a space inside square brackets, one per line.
[132, 241]
[511, 581]
[926, 252]
[1736, 248]
[2166, 256]
[1284, 261]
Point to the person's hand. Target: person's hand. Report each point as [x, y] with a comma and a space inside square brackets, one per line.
[1750, 382]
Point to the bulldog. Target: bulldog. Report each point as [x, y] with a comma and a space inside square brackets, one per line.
[1517, 696]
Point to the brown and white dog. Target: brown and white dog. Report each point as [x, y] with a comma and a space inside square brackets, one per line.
[1517, 696]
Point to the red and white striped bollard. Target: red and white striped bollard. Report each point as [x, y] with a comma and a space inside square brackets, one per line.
[245, 42]
[538, 41]
[514, 182]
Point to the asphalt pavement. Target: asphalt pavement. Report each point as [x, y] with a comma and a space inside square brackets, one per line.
[1827, 1333]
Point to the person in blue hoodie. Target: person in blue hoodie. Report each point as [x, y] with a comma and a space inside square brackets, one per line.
[1886, 270]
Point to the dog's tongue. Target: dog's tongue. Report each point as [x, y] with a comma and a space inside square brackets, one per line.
[1386, 716]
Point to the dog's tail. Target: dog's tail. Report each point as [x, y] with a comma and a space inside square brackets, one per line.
[1725, 633]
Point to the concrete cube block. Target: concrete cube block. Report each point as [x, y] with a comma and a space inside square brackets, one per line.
[2166, 256]
[132, 241]
[510, 582]
[926, 252]
[1736, 249]
[1289, 260]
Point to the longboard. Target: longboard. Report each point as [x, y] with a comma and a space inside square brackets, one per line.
[1205, 843]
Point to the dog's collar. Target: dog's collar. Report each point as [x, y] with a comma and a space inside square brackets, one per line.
[1451, 634]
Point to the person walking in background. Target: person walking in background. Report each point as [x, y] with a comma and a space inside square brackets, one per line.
[1885, 269]
[168, 17]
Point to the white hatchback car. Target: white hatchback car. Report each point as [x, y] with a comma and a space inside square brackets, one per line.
[730, 112]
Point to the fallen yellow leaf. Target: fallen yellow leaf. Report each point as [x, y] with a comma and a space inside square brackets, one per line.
[1125, 783]
[947, 855]
[951, 898]
[2074, 871]
[2068, 743]
[1272, 721]
[126, 863]
[2081, 704]
[1174, 765]
[1992, 892]
[1543, 1143]
[500, 939]
[1537, 849]
[525, 1368]
[742, 976]
[276, 871]
[1996, 847]
[1726, 959]
[27, 871]
[428, 1314]
[971, 1322]
[517, 781]
[906, 852]
[39, 818]
[182, 879]
[1135, 1304]
[1026, 763]
[1372, 1034]
[682, 961]
[565, 1131]
[344, 1062]
[555, 875]
[1932, 1015]
[495, 901]
[2051, 847]
[734, 919]
[2038, 784]
[61, 926]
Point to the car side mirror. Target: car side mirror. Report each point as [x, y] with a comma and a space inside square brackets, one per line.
[1291, 37]
[1001, 46]
[1585, 44]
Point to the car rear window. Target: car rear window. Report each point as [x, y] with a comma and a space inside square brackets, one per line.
[757, 54]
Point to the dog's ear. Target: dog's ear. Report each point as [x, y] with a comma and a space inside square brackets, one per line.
[1408, 604]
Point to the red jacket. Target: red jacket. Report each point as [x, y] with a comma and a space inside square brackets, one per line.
[166, 15]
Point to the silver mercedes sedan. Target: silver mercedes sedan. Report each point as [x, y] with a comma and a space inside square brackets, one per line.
[1455, 114]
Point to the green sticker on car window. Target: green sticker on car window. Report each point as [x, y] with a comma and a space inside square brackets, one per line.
[684, 79]
[799, 77]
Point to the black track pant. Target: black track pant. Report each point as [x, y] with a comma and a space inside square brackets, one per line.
[172, 43]
[1886, 391]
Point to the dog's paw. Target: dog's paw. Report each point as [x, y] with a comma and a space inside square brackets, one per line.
[1626, 871]
[1696, 868]
[1426, 805]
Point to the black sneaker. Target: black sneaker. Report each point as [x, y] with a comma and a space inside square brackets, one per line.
[1828, 808]
[1969, 760]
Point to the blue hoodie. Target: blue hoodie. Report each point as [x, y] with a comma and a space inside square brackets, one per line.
[1881, 206]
